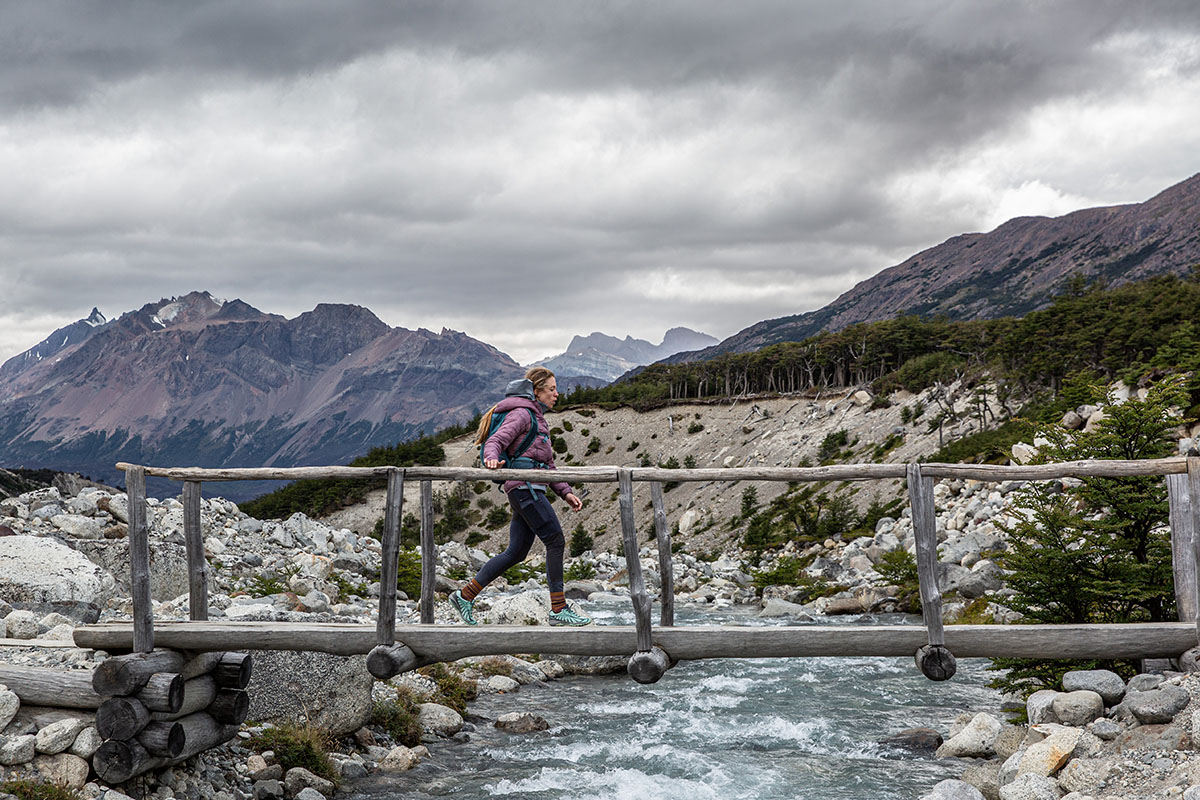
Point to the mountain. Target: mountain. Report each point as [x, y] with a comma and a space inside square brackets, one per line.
[604, 358]
[1012, 270]
[195, 380]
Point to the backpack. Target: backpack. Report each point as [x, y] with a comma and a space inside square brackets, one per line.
[515, 456]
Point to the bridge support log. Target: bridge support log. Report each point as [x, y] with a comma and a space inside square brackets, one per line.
[428, 554]
[665, 564]
[127, 674]
[385, 627]
[230, 706]
[121, 718]
[936, 662]
[162, 739]
[45, 687]
[119, 760]
[388, 661]
[193, 539]
[649, 666]
[163, 692]
[233, 671]
[198, 694]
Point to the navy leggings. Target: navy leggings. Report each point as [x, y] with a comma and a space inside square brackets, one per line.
[532, 516]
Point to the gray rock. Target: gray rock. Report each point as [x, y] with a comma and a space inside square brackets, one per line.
[267, 790]
[438, 719]
[22, 625]
[521, 722]
[500, 683]
[1144, 682]
[398, 759]
[17, 749]
[776, 607]
[58, 736]
[951, 789]
[921, 740]
[168, 565]
[63, 769]
[315, 602]
[1083, 774]
[309, 793]
[985, 777]
[9, 705]
[86, 743]
[43, 575]
[1105, 729]
[974, 741]
[1157, 705]
[298, 778]
[1107, 684]
[1011, 766]
[1192, 793]
[1078, 708]
[1030, 787]
[1039, 707]
[352, 770]
[526, 608]
[331, 692]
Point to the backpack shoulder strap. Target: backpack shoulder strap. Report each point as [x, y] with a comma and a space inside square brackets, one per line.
[527, 442]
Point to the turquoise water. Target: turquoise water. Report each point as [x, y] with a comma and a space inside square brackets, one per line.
[758, 729]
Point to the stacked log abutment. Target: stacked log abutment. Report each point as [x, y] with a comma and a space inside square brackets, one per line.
[161, 708]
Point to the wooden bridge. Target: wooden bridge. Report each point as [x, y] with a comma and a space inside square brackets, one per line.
[651, 648]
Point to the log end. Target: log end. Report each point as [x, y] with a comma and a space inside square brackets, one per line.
[936, 662]
[233, 671]
[387, 661]
[647, 666]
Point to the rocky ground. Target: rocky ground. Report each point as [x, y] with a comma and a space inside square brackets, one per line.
[63, 557]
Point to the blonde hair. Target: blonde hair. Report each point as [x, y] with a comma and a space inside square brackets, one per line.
[539, 376]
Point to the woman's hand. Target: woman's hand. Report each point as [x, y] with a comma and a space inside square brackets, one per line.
[574, 502]
[493, 463]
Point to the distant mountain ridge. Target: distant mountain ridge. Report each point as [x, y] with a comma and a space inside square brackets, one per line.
[605, 358]
[194, 380]
[1012, 270]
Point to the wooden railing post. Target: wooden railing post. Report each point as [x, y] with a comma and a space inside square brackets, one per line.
[428, 553]
[139, 560]
[934, 660]
[649, 663]
[1183, 554]
[1193, 486]
[193, 539]
[665, 565]
[388, 658]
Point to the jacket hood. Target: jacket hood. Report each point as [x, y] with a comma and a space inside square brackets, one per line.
[520, 388]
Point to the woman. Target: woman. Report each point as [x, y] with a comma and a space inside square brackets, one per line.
[532, 515]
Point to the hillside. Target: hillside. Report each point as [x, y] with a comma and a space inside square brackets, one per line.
[775, 431]
[1012, 270]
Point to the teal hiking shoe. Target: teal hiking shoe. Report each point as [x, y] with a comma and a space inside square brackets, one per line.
[465, 608]
[568, 617]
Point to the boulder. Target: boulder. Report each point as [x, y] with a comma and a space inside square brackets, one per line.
[17, 749]
[775, 607]
[63, 769]
[1159, 705]
[1049, 755]
[86, 743]
[1039, 707]
[498, 684]
[439, 719]
[43, 575]
[21, 625]
[985, 777]
[951, 789]
[1103, 682]
[398, 759]
[298, 779]
[1084, 774]
[973, 741]
[526, 608]
[1078, 708]
[1030, 787]
[58, 736]
[521, 722]
[921, 740]
[10, 704]
[78, 526]
[331, 692]
[168, 565]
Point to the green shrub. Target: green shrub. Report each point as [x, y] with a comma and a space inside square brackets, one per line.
[567, 426]
[832, 444]
[26, 789]
[695, 427]
[497, 517]
[899, 568]
[593, 446]
[519, 573]
[581, 541]
[749, 500]
[632, 446]
[297, 746]
[495, 666]
[579, 571]
[408, 574]
[452, 690]
[399, 716]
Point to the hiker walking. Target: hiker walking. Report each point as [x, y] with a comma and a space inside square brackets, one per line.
[513, 434]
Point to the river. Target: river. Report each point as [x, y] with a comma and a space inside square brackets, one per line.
[759, 729]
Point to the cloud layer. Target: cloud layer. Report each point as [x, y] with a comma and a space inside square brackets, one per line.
[528, 171]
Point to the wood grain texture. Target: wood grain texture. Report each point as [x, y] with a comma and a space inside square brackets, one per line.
[633, 563]
[139, 560]
[924, 517]
[385, 627]
[428, 554]
[1183, 552]
[193, 539]
[39, 686]
[666, 564]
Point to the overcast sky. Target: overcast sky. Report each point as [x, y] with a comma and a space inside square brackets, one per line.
[526, 171]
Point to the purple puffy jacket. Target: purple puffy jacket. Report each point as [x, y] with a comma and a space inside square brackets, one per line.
[512, 432]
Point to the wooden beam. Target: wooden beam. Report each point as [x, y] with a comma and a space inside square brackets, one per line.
[450, 642]
[1183, 553]
[428, 554]
[127, 674]
[40, 686]
[1193, 477]
[665, 563]
[924, 517]
[193, 539]
[385, 627]
[633, 563]
[139, 559]
[834, 472]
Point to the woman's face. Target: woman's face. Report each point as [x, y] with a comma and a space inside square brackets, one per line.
[548, 394]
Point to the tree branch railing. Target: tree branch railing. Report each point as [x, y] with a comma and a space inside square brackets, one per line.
[650, 660]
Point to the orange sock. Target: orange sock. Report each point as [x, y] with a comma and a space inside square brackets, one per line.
[558, 601]
[471, 590]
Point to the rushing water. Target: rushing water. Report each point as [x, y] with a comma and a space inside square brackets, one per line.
[758, 729]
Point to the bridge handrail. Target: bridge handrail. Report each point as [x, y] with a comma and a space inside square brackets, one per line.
[650, 661]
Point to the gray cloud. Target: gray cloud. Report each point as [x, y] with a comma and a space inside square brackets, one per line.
[638, 165]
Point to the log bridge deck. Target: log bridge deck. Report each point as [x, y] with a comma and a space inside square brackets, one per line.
[652, 649]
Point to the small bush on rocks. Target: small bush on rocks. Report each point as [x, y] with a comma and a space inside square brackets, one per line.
[399, 717]
[297, 746]
[495, 666]
[37, 790]
[453, 691]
